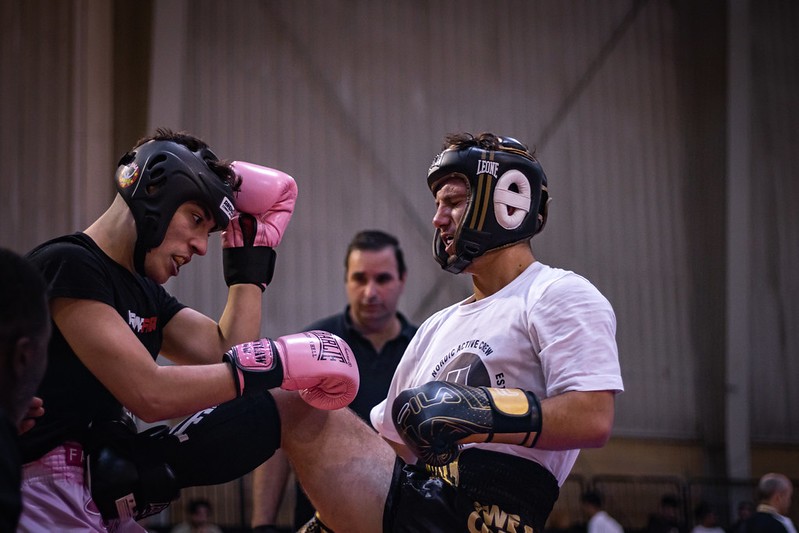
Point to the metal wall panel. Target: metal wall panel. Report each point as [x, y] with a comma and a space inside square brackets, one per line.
[775, 232]
[54, 118]
[353, 98]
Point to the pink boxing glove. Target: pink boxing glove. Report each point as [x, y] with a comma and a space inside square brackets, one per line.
[317, 363]
[264, 205]
[267, 194]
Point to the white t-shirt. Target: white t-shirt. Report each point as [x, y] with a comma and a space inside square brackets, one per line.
[602, 522]
[699, 528]
[549, 331]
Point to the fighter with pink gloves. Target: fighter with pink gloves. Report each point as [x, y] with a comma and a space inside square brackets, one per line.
[87, 468]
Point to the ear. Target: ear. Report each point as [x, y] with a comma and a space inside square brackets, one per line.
[19, 359]
[29, 361]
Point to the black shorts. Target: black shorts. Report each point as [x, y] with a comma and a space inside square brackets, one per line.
[495, 492]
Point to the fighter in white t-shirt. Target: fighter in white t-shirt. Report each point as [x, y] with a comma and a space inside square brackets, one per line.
[494, 396]
[519, 337]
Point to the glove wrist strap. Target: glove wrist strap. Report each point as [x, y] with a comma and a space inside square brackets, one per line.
[515, 411]
[253, 372]
[249, 264]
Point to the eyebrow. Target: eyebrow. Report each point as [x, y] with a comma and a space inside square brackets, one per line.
[201, 207]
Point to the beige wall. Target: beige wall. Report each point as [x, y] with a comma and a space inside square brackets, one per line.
[640, 457]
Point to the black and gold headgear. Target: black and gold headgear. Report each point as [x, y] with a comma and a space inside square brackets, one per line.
[507, 201]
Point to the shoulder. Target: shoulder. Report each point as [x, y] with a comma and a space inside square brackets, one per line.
[74, 247]
[439, 316]
[70, 262]
[559, 289]
[333, 323]
[551, 280]
[761, 521]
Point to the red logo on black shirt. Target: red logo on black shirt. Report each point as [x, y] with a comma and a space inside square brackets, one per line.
[142, 325]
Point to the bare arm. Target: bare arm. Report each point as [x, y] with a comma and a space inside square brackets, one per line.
[568, 421]
[114, 355]
[193, 338]
[576, 420]
[571, 420]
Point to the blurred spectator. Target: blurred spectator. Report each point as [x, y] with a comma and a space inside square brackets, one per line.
[198, 519]
[774, 501]
[24, 332]
[599, 521]
[706, 519]
[745, 510]
[668, 518]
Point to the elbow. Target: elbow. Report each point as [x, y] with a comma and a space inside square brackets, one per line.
[149, 408]
[148, 417]
[600, 435]
[599, 440]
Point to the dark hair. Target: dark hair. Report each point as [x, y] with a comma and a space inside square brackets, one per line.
[220, 167]
[24, 311]
[702, 510]
[197, 504]
[375, 240]
[592, 497]
[485, 141]
[669, 500]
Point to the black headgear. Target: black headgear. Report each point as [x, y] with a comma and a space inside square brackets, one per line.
[507, 201]
[157, 177]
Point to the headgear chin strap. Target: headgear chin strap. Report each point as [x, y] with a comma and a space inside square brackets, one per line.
[507, 201]
[156, 178]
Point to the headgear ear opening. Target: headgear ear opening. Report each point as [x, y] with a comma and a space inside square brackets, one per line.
[508, 199]
[543, 208]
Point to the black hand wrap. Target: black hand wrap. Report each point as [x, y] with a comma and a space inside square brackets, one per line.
[248, 263]
[435, 418]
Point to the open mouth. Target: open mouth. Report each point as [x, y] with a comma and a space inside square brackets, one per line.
[179, 261]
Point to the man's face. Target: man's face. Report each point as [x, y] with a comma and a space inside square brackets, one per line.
[451, 203]
[31, 365]
[373, 288]
[186, 236]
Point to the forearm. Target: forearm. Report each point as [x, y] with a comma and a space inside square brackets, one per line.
[576, 420]
[437, 417]
[191, 338]
[268, 486]
[176, 390]
[241, 318]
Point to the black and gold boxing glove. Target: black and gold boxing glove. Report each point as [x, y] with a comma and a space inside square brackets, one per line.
[437, 417]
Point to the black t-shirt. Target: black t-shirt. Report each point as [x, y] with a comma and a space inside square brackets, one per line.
[10, 476]
[75, 267]
[763, 522]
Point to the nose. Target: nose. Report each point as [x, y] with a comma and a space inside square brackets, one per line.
[370, 289]
[199, 245]
[441, 217]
